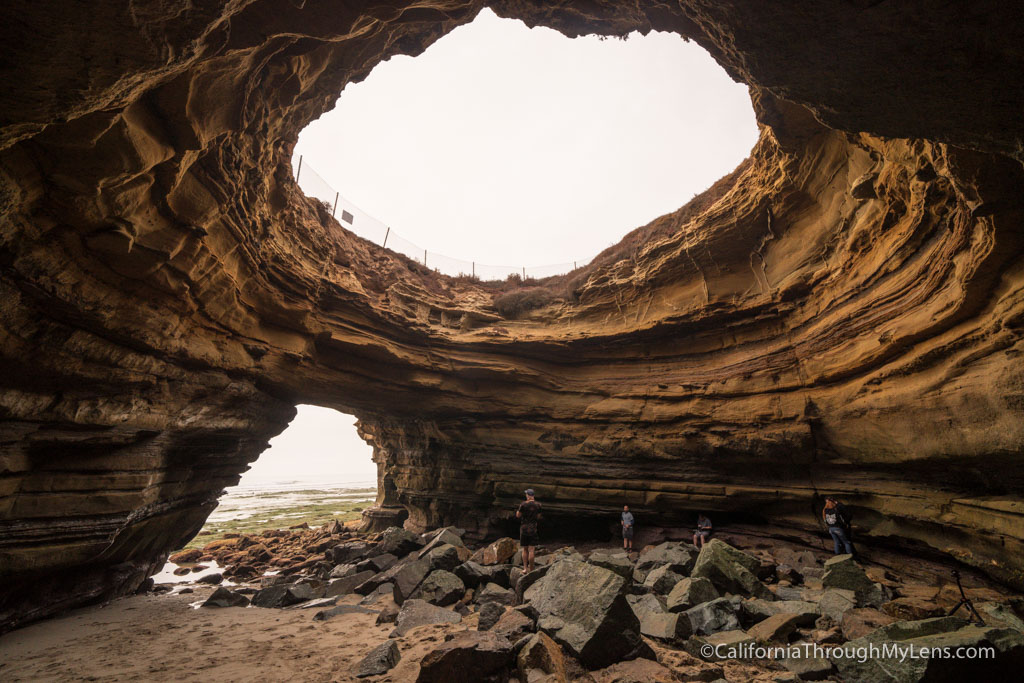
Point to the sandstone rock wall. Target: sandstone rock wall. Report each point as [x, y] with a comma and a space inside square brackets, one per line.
[847, 317]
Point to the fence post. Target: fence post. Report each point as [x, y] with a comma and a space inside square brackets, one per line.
[474, 268]
[424, 257]
[388, 232]
[524, 273]
[574, 265]
[299, 169]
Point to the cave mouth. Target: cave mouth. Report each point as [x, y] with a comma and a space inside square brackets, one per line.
[502, 147]
[318, 469]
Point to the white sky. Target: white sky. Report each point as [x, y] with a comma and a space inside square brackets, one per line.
[513, 146]
[319, 446]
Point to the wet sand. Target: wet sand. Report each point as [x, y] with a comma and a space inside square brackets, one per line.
[160, 637]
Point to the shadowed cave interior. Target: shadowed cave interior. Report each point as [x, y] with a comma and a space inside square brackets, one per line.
[843, 313]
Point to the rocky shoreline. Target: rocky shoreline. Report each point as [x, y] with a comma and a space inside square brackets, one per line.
[590, 613]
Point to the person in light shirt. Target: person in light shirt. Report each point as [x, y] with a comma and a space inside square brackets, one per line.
[627, 528]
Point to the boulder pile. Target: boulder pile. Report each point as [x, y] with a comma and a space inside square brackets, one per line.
[589, 616]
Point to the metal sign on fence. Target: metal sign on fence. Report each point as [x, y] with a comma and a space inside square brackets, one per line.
[368, 227]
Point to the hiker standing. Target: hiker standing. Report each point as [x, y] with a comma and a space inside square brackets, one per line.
[837, 518]
[703, 531]
[627, 528]
[529, 513]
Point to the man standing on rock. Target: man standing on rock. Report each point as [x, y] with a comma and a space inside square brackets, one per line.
[838, 521]
[627, 529]
[529, 513]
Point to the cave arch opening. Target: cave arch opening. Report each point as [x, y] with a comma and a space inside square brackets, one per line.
[316, 470]
[502, 146]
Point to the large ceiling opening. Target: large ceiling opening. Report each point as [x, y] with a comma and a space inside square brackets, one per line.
[506, 145]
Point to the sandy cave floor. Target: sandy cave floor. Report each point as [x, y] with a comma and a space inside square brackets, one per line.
[160, 637]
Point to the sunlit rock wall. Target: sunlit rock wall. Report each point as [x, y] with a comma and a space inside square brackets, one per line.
[847, 317]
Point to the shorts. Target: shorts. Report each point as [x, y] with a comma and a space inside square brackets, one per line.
[528, 538]
[703, 534]
[627, 532]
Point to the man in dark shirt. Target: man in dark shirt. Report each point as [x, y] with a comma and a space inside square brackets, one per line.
[529, 513]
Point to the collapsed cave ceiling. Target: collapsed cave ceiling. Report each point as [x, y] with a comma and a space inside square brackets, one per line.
[846, 315]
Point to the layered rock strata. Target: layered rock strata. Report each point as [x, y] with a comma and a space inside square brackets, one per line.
[847, 316]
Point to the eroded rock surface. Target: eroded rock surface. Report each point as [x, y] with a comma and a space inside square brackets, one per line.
[845, 307]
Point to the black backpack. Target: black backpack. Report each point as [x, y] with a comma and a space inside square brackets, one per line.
[837, 516]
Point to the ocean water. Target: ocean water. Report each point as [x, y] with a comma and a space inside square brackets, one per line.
[251, 500]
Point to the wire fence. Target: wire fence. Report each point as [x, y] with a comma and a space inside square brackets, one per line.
[368, 227]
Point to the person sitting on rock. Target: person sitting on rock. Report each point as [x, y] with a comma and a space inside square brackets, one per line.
[838, 521]
[703, 532]
[627, 528]
[529, 513]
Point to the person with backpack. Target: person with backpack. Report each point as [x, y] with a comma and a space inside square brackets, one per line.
[837, 519]
[529, 513]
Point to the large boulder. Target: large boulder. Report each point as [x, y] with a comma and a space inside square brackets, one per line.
[541, 656]
[377, 563]
[492, 592]
[731, 570]
[222, 597]
[283, 595]
[690, 592]
[398, 541]
[408, 578]
[498, 552]
[711, 617]
[416, 613]
[835, 602]
[473, 574]
[348, 584]
[349, 552]
[616, 562]
[776, 628]
[890, 661]
[379, 660]
[490, 612]
[343, 570]
[800, 559]
[662, 579]
[679, 557]
[583, 608]
[998, 614]
[445, 536]
[440, 588]
[513, 625]
[527, 580]
[467, 656]
[443, 557]
[843, 572]
[666, 625]
[645, 604]
[755, 610]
